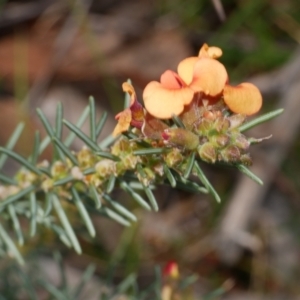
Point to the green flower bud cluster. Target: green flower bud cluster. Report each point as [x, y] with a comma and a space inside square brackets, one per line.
[212, 133]
[220, 138]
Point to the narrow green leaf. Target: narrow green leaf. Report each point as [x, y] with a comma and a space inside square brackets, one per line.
[120, 209]
[48, 204]
[33, 211]
[177, 121]
[131, 136]
[110, 184]
[70, 138]
[107, 155]
[150, 151]
[83, 213]
[135, 195]
[52, 290]
[189, 165]
[46, 141]
[188, 281]
[141, 170]
[58, 121]
[261, 119]
[106, 142]
[24, 162]
[89, 171]
[17, 196]
[82, 135]
[10, 245]
[92, 118]
[63, 282]
[158, 282]
[112, 215]
[95, 196]
[215, 294]
[61, 234]
[87, 275]
[27, 284]
[12, 142]
[101, 123]
[151, 198]
[170, 176]
[127, 283]
[206, 182]
[66, 224]
[16, 224]
[66, 151]
[63, 181]
[191, 186]
[45, 122]
[251, 175]
[136, 185]
[7, 180]
[45, 171]
[36, 146]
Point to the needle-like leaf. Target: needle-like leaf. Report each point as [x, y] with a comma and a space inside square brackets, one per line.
[251, 175]
[120, 209]
[101, 123]
[24, 162]
[92, 119]
[16, 224]
[90, 143]
[12, 142]
[33, 211]
[261, 119]
[206, 182]
[10, 245]
[135, 195]
[66, 224]
[83, 213]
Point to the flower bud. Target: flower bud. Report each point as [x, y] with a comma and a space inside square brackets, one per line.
[105, 167]
[26, 177]
[159, 168]
[76, 173]
[236, 120]
[204, 126]
[59, 170]
[221, 140]
[181, 137]
[231, 154]
[121, 147]
[85, 158]
[222, 125]
[208, 152]
[130, 161]
[171, 270]
[246, 160]
[147, 177]
[241, 142]
[173, 157]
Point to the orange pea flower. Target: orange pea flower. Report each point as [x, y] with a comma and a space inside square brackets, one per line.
[244, 98]
[133, 115]
[167, 97]
[175, 91]
[202, 74]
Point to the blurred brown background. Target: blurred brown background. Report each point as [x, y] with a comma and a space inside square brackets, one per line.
[65, 51]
